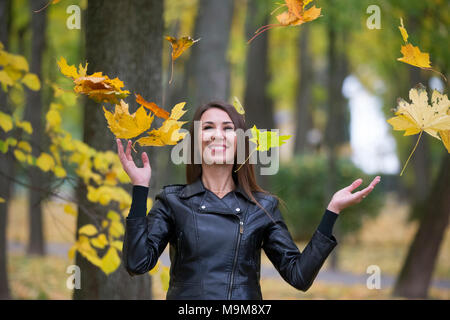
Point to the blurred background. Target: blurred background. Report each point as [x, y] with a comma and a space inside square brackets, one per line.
[331, 83]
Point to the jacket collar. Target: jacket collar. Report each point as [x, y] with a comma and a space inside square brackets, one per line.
[197, 187]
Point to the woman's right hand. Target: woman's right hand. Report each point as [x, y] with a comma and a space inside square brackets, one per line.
[138, 176]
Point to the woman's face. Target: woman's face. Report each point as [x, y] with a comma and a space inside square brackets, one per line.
[217, 136]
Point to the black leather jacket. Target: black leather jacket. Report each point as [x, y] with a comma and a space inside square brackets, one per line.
[215, 244]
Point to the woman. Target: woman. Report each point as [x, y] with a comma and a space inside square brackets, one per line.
[217, 223]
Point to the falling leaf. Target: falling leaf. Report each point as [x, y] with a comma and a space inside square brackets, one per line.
[294, 16]
[178, 47]
[265, 140]
[125, 125]
[419, 116]
[412, 55]
[159, 112]
[238, 106]
[97, 86]
[168, 133]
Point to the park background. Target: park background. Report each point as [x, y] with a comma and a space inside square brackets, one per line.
[331, 83]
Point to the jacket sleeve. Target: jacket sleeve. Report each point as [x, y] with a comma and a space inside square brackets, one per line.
[297, 268]
[146, 237]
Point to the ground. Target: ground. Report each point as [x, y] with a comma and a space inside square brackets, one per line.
[382, 242]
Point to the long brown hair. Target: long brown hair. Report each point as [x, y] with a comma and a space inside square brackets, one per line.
[245, 176]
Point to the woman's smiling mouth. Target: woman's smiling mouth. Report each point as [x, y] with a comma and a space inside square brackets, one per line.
[218, 147]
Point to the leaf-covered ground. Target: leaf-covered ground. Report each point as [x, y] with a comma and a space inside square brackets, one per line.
[383, 242]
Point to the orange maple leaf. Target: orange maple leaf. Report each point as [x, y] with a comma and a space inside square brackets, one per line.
[97, 86]
[412, 55]
[153, 107]
[178, 47]
[294, 16]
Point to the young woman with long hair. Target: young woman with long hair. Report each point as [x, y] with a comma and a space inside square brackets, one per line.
[217, 223]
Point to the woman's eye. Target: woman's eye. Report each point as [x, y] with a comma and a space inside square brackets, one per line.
[229, 128]
[208, 127]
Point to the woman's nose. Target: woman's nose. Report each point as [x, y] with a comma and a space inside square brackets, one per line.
[218, 134]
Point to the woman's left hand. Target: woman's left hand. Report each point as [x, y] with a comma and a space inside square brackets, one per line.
[345, 198]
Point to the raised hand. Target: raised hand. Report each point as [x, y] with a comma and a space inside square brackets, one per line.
[345, 198]
[138, 176]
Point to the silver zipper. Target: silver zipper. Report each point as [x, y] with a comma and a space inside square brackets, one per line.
[241, 231]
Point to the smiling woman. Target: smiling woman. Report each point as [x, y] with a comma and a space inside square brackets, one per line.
[219, 122]
[217, 223]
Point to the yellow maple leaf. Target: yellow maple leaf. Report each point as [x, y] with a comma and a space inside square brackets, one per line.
[418, 116]
[97, 86]
[111, 261]
[178, 47]
[168, 133]
[125, 125]
[296, 14]
[412, 54]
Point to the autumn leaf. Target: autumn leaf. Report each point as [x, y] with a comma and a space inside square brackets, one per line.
[296, 14]
[412, 55]
[178, 47]
[419, 116]
[238, 106]
[110, 262]
[88, 229]
[265, 140]
[45, 162]
[14, 68]
[125, 125]
[168, 133]
[159, 112]
[6, 121]
[97, 86]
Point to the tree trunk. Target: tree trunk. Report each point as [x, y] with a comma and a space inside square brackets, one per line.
[34, 114]
[338, 118]
[415, 277]
[304, 121]
[210, 68]
[257, 103]
[123, 39]
[6, 162]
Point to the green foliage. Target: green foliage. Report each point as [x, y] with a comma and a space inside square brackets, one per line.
[302, 184]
